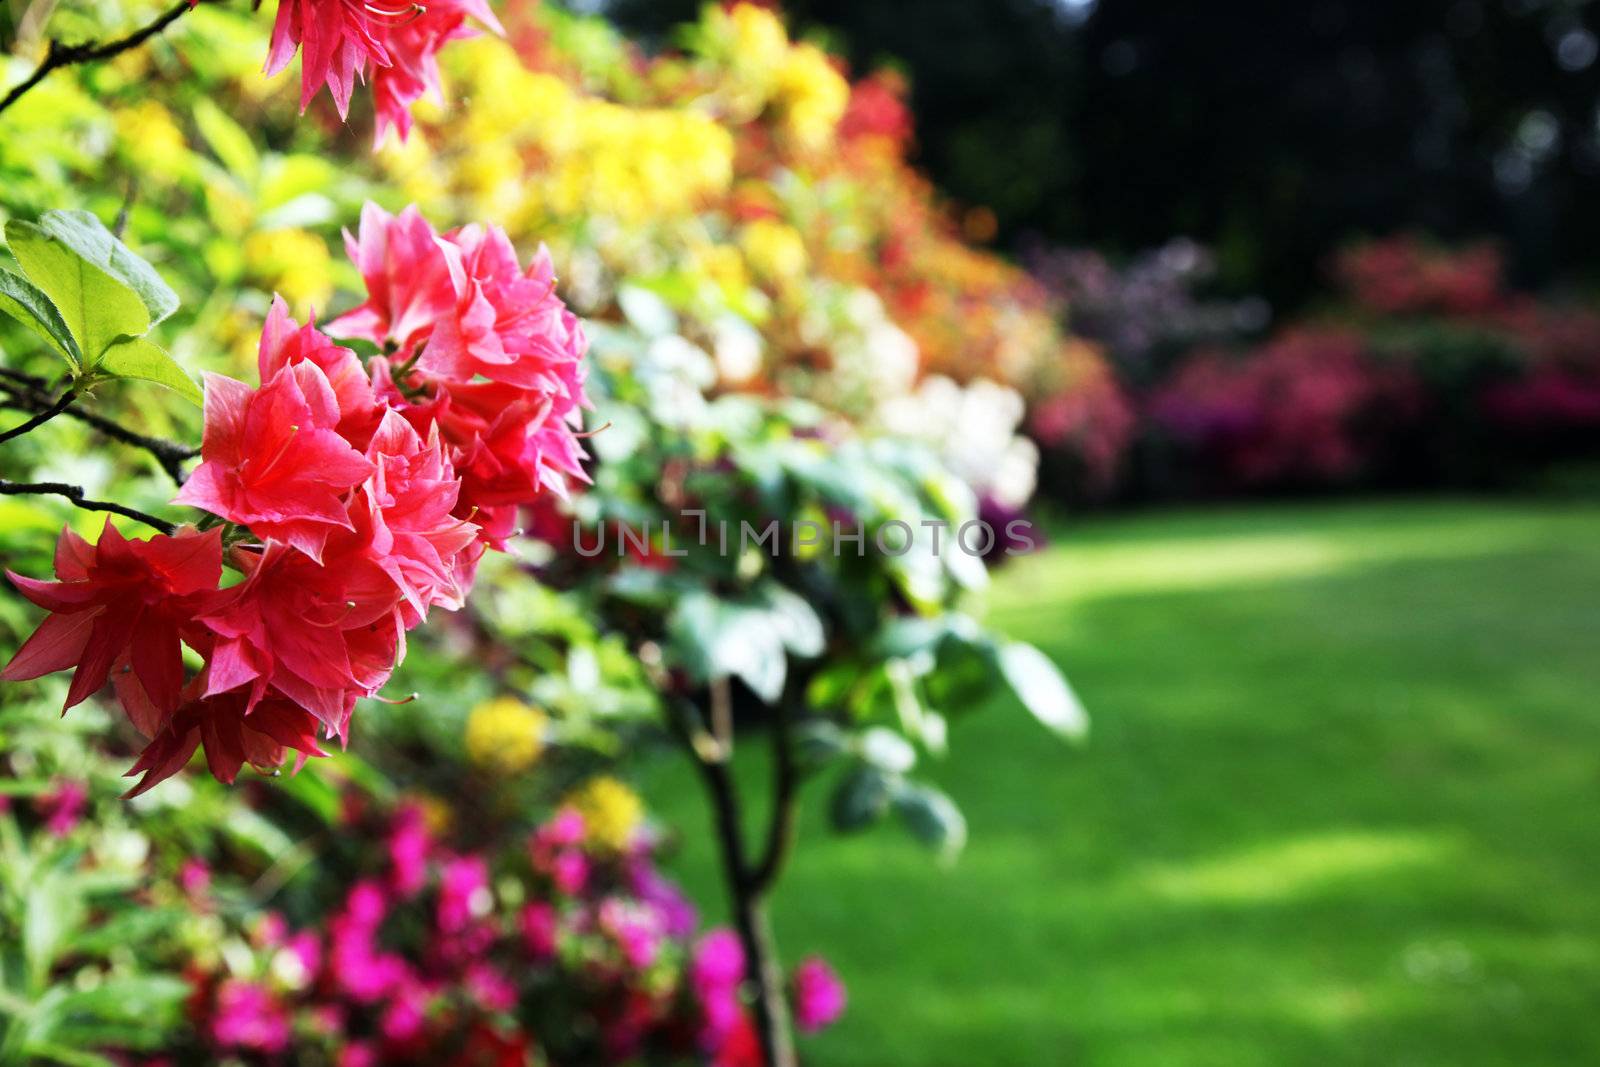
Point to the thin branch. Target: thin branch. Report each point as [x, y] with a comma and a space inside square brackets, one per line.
[75, 493]
[66, 55]
[45, 415]
[169, 454]
[785, 785]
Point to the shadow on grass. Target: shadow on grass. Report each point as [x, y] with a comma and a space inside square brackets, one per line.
[1339, 811]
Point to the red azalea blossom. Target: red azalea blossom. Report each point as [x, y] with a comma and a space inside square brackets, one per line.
[358, 499]
[118, 601]
[272, 459]
[313, 632]
[404, 512]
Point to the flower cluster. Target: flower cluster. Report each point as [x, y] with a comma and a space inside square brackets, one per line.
[393, 44]
[571, 950]
[353, 498]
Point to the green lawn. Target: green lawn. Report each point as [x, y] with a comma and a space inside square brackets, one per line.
[1341, 806]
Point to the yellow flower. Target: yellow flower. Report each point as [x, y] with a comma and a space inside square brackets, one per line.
[505, 735]
[812, 96]
[152, 139]
[294, 263]
[611, 811]
[774, 250]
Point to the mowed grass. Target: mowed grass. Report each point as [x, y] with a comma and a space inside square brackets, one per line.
[1341, 806]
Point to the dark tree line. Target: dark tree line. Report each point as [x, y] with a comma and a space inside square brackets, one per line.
[1272, 131]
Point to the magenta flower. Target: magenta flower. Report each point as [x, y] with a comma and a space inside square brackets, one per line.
[249, 1018]
[62, 807]
[409, 847]
[463, 893]
[819, 997]
[194, 877]
[714, 974]
[539, 924]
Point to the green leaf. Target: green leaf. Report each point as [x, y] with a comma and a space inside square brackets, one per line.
[817, 742]
[932, 817]
[88, 237]
[142, 359]
[796, 621]
[1043, 690]
[228, 140]
[887, 750]
[717, 639]
[26, 303]
[860, 798]
[97, 308]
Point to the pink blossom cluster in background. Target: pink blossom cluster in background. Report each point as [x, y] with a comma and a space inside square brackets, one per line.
[352, 496]
[435, 955]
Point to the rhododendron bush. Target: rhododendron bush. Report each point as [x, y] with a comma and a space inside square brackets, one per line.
[351, 499]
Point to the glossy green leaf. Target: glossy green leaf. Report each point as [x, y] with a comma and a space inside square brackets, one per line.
[88, 237]
[142, 359]
[932, 817]
[28, 304]
[95, 307]
[860, 798]
[1043, 690]
[797, 622]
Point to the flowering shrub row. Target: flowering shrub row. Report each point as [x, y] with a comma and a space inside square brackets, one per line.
[1429, 370]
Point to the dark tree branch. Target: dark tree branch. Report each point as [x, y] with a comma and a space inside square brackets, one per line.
[44, 415]
[762, 969]
[785, 784]
[65, 55]
[75, 494]
[169, 454]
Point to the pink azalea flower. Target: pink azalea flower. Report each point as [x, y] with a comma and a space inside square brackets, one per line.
[317, 634]
[408, 279]
[340, 39]
[248, 1017]
[272, 458]
[194, 877]
[539, 924]
[62, 807]
[563, 829]
[569, 869]
[490, 987]
[715, 973]
[819, 996]
[284, 343]
[413, 45]
[409, 846]
[119, 601]
[358, 1054]
[463, 893]
[406, 1013]
[636, 930]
